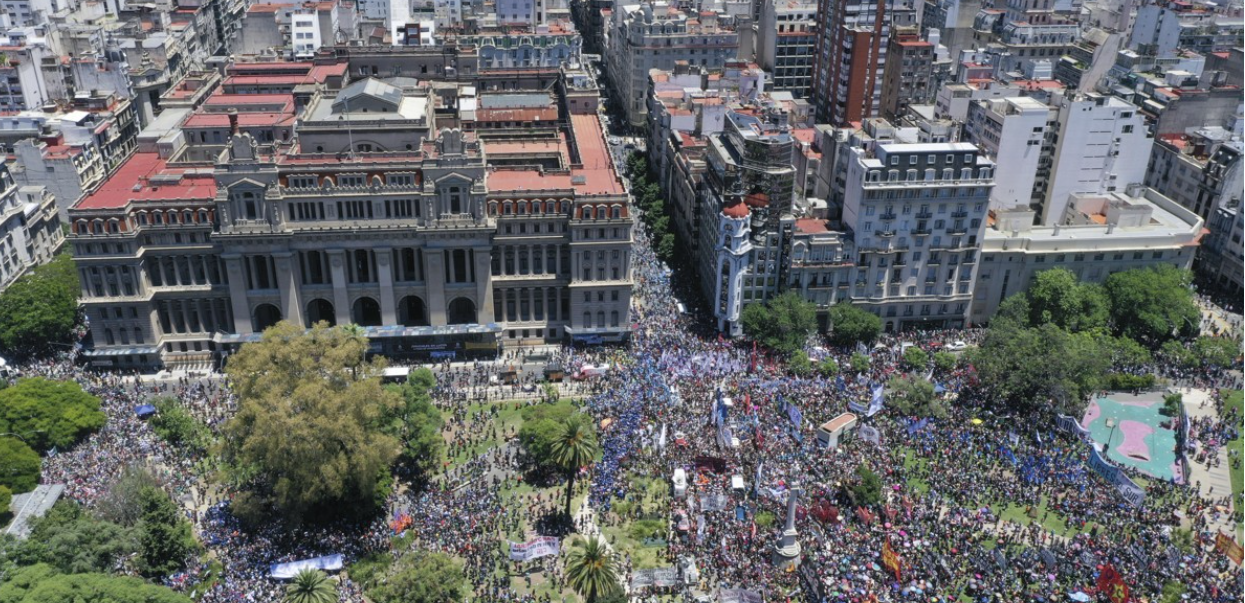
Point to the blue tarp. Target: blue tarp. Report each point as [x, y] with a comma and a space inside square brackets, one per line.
[286, 571]
[145, 411]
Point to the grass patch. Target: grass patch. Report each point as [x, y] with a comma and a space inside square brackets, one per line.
[1232, 408]
[367, 570]
[913, 463]
[1051, 521]
[214, 571]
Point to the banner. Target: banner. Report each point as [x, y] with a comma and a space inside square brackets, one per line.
[890, 560]
[1111, 583]
[738, 595]
[713, 502]
[287, 571]
[660, 577]
[534, 549]
[1071, 425]
[1134, 494]
[1226, 545]
[796, 416]
[870, 433]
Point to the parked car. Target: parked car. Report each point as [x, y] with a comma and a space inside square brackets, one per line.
[956, 346]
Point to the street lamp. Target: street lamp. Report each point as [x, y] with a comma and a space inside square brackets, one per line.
[1112, 424]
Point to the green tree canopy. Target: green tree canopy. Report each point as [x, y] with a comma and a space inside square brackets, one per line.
[166, 540]
[311, 586]
[48, 413]
[915, 359]
[591, 570]
[799, 364]
[75, 542]
[944, 361]
[541, 427]
[1220, 352]
[6, 500]
[309, 434]
[416, 422]
[828, 367]
[39, 309]
[1043, 369]
[850, 325]
[783, 324]
[19, 465]
[867, 489]
[859, 362]
[175, 425]
[422, 578]
[1058, 297]
[1153, 305]
[574, 448]
[123, 503]
[43, 584]
[912, 395]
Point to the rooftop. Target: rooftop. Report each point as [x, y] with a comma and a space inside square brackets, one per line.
[146, 177]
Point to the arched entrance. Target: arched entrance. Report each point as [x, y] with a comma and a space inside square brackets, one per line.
[412, 312]
[366, 312]
[265, 316]
[320, 310]
[461, 311]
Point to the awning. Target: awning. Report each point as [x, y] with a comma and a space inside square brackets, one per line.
[121, 351]
[144, 411]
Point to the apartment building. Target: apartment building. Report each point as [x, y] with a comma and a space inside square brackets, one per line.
[432, 249]
[906, 78]
[1194, 169]
[1098, 234]
[30, 228]
[656, 35]
[1013, 133]
[852, 45]
[786, 45]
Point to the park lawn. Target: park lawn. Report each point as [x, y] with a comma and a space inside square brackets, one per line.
[1054, 522]
[1233, 402]
[912, 462]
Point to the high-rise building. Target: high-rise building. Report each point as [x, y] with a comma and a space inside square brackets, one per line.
[851, 56]
[787, 44]
[909, 69]
[1012, 132]
[1102, 144]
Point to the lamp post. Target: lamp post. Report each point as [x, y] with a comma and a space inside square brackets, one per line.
[1112, 424]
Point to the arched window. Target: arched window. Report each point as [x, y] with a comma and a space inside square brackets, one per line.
[616, 212]
[587, 320]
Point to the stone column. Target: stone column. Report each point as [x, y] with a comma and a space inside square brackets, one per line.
[287, 283]
[237, 293]
[484, 286]
[787, 550]
[341, 301]
[434, 271]
[384, 276]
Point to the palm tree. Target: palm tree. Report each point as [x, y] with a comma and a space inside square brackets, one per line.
[591, 569]
[311, 586]
[573, 448]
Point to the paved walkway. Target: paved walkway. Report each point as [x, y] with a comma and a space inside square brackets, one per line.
[1213, 483]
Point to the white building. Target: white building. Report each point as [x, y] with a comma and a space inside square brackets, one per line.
[1102, 145]
[786, 44]
[1011, 131]
[917, 213]
[1097, 235]
[30, 228]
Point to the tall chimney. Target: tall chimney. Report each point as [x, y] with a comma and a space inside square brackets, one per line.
[233, 121]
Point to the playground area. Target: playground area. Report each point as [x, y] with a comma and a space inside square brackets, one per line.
[1134, 432]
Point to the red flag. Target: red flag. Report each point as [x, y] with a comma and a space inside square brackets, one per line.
[1112, 584]
[891, 560]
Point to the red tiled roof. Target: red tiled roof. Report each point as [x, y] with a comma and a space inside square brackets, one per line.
[736, 210]
[118, 191]
[811, 225]
[757, 200]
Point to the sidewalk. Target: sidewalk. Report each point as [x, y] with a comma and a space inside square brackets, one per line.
[1213, 484]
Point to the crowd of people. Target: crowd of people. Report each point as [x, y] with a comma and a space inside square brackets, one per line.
[997, 508]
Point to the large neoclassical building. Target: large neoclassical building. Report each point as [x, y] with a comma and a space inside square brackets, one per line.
[445, 222]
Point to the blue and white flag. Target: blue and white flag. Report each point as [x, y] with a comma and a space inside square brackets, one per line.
[796, 416]
[877, 402]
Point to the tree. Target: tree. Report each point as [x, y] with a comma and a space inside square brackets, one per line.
[859, 363]
[542, 424]
[175, 425]
[309, 434]
[1218, 352]
[915, 396]
[1043, 369]
[915, 358]
[422, 578]
[310, 586]
[416, 423]
[850, 325]
[165, 538]
[44, 584]
[74, 542]
[40, 309]
[19, 465]
[575, 447]
[665, 246]
[1125, 353]
[123, 504]
[944, 361]
[867, 490]
[1177, 353]
[1172, 405]
[783, 324]
[591, 569]
[1173, 592]
[828, 367]
[6, 500]
[799, 364]
[47, 413]
[1058, 297]
[1153, 305]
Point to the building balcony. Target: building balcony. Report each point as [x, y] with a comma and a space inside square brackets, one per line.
[957, 231]
[959, 214]
[887, 217]
[920, 232]
[924, 215]
[884, 233]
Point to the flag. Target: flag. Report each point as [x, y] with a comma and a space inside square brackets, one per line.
[891, 560]
[754, 530]
[796, 416]
[876, 403]
[1112, 584]
[1226, 545]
